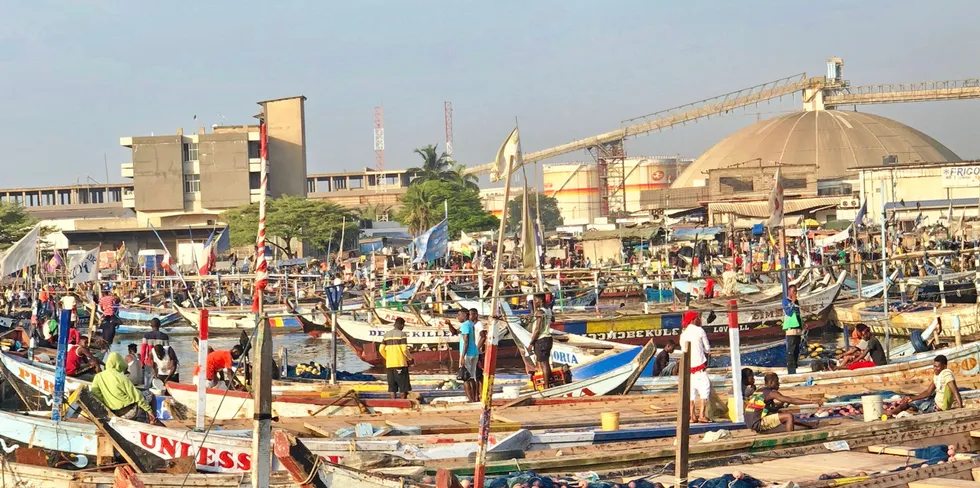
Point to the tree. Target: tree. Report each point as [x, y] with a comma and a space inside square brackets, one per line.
[435, 165]
[457, 174]
[373, 211]
[423, 206]
[15, 223]
[550, 213]
[316, 222]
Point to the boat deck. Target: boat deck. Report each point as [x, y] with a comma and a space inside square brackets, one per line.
[810, 467]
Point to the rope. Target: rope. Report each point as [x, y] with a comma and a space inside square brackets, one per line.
[313, 471]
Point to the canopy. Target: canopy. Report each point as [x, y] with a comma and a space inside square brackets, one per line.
[696, 233]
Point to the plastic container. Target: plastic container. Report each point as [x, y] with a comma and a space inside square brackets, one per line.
[873, 408]
[511, 392]
[610, 421]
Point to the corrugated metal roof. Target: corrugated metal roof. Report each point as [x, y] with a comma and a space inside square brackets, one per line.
[644, 233]
[761, 208]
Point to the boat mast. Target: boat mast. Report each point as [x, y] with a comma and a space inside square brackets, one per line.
[262, 362]
[490, 361]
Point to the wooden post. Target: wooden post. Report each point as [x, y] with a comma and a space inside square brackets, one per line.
[59, 376]
[733, 341]
[683, 415]
[202, 361]
[490, 358]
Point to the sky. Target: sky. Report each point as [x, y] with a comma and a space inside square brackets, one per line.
[77, 76]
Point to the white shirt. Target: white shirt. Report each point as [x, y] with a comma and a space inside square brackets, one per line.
[67, 302]
[698, 339]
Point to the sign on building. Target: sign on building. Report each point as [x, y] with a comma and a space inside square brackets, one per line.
[961, 176]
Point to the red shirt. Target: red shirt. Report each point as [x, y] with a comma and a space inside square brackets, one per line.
[217, 360]
[107, 304]
[709, 288]
[73, 361]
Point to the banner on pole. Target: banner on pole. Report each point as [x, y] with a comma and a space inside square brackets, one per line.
[22, 254]
[84, 267]
[432, 244]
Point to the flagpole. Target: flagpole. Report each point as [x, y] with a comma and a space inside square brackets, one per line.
[262, 359]
[531, 237]
[884, 269]
[490, 361]
[445, 204]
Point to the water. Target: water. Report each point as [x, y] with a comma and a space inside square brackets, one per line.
[300, 347]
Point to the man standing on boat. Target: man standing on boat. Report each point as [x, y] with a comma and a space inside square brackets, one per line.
[697, 341]
[468, 354]
[793, 327]
[394, 348]
[541, 340]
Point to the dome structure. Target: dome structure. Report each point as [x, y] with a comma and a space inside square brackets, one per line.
[833, 140]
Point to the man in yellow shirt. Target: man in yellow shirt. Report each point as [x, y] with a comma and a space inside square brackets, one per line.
[394, 348]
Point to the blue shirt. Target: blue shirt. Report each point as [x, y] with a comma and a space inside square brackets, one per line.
[467, 329]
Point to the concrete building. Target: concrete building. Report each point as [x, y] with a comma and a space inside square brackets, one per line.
[189, 179]
[911, 189]
[359, 189]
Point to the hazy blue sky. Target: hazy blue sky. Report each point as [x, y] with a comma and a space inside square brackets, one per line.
[75, 76]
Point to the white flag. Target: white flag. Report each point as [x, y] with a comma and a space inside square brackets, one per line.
[508, 157]
[84, 267]
[776, 202]
[22, 254]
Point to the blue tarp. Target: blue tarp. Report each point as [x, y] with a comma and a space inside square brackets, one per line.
[432, 244]
[369, 247]
[697, 233]
[758, 229]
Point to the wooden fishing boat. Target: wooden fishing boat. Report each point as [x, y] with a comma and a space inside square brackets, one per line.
[309, 470]
[905, 318]
[223, 404]
[755, 320]
[951, 287]
[31, 476]
[235, 321]
[68, 436]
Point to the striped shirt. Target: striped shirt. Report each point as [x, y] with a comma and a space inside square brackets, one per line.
[394, 348]
[150, 340]
[108, 305]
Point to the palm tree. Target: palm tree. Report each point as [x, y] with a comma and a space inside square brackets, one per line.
[434, 164]
[457, 174]
[373, 211]
[421, 208]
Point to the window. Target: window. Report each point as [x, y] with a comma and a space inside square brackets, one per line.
[190, 151]
[192, 183]
[340, 183]
[310, 185]
[254, 150]
[391, 180]
[254, 182]
[356, 182]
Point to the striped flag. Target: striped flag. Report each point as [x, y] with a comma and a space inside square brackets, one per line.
[261, 266]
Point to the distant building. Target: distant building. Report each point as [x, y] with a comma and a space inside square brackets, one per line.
[360, 189]
[189, 179]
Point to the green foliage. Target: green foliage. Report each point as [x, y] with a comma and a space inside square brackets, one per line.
[550, 213]
[434, 167]
[316, 222]
[423, 206]
[15, 222]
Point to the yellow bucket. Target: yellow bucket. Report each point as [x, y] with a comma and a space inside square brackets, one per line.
[610, 420]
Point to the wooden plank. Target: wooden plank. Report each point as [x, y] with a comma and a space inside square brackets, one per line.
[896, 450]
[943, 483]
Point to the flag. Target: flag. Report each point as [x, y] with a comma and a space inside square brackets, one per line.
[776, 201]
[208, 256]
[22, 254]
[166, 264]
[121, 252]
[529, 239]
[509, 153]
[84, 267]
[54, 263]
[261, 265]
[431, 245]
[859, 218]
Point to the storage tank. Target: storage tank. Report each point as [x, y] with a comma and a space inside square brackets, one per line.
[576, 187]
[649, 174]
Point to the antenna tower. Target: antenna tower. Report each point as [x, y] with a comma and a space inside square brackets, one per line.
[379, 139]
[449, 127]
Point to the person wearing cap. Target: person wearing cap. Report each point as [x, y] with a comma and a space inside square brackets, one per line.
[697, 343]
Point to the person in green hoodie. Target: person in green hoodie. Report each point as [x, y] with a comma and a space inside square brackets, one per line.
[115, 390]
